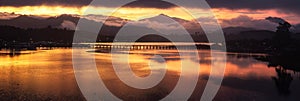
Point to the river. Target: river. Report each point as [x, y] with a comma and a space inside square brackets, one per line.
[49, 75]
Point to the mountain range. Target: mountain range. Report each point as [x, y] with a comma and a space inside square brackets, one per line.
[113, 25]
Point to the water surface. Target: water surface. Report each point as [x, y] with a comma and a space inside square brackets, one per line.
[49, 75]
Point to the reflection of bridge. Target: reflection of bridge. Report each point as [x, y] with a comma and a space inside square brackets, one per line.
[149, 46]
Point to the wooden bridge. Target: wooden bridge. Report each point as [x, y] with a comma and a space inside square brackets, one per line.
[149, 46]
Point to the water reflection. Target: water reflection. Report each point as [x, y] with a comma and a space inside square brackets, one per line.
[287, 68]
[49, 75]
[44, 75]
[15, 52]
[283, 80]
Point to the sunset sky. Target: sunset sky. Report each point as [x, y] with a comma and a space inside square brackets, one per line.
[228, 12]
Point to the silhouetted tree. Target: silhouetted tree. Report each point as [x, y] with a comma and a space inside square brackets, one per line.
[282, 37]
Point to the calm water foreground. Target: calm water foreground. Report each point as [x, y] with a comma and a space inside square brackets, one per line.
[49, 75]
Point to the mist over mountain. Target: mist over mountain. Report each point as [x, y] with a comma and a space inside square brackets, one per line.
[171, 25]
[296, 28]
[112, 25]
[25, 21]
[68, 21]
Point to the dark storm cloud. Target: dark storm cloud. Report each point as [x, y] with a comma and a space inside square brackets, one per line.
[43, 2]
[151, 4]
[106, 3]
[283, 5]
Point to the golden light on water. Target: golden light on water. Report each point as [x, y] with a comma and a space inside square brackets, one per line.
[50, 72]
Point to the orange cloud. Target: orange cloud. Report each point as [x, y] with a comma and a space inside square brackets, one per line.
[124, 12]
[140, 13]
[227, 14]
[43, 10]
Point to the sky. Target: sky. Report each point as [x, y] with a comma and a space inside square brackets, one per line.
[228, 12]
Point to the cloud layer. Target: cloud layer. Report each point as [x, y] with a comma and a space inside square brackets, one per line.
[44, 2]
[108, 3]
[285, 5]
[290, 7]
[246, 21]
